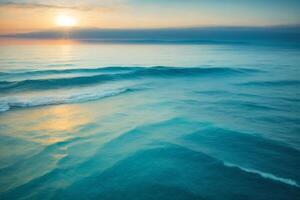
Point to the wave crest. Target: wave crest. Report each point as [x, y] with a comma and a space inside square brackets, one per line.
[17, 102]
[265, 175]
[128, 73]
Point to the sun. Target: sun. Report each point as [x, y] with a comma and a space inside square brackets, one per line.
[65, 21]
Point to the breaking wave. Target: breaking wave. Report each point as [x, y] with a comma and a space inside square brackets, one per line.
[17, 102]
[265, 175]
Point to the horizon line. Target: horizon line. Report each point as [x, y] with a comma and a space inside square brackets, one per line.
[64, 29]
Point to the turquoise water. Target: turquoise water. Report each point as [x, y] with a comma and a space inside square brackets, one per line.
[112, 121]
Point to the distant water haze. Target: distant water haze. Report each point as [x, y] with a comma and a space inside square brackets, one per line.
[268, 34]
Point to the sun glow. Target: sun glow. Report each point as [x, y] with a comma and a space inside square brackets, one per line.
[66, 21]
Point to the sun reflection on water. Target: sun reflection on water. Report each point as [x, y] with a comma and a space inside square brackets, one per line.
[60, 123]
[47, 125]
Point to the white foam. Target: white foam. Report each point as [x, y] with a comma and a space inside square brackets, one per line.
[32, 101]
[4, 107]
[265, 175]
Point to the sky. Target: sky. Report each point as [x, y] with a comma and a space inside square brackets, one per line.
[35, 15]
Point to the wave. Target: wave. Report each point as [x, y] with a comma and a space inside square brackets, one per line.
[17, 102]
[132, 73]
[265, 175]
[272, 83]
[68, 71]
[172, 158]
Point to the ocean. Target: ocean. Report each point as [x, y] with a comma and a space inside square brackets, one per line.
[149, 121]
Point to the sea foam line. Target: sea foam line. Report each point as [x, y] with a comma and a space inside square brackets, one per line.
[265, 175]
[22, 102]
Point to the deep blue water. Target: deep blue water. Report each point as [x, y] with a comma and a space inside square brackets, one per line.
[84, 121]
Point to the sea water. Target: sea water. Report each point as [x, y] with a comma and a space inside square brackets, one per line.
[109, 121]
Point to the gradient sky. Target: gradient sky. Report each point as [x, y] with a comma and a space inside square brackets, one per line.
[36, 15]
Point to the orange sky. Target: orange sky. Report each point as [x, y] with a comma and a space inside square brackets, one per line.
[28, 15]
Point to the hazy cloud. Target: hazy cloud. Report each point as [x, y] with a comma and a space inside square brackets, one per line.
[34, 5]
